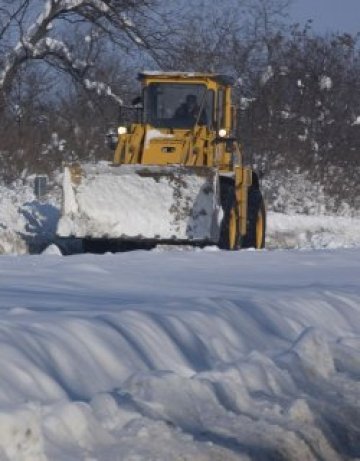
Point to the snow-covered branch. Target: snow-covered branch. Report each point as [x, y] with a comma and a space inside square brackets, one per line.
[43, 38]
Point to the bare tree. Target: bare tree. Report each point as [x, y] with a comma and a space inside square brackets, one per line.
[25, 36]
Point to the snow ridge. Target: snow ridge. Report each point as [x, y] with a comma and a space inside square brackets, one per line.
[258, 359]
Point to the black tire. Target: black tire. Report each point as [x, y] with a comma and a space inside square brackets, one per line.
[228, 203]
[256, 222]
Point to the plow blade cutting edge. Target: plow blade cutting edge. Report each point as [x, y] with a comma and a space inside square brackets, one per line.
[132, 202]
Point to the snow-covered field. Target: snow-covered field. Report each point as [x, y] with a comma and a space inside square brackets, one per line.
[181, 355]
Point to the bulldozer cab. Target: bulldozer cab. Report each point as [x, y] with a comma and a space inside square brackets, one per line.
[186, 119]
[183, 101]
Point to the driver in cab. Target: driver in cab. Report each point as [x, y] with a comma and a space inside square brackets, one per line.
[189, 111]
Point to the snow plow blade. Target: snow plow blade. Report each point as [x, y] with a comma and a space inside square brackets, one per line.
[139, 202]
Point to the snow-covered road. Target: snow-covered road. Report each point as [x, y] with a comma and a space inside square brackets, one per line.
[180, 355]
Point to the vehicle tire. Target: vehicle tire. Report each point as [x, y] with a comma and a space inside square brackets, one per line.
[256, 222]
[229, 231]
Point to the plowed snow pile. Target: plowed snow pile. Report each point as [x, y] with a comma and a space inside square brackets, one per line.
[191, 355]
[145, 203]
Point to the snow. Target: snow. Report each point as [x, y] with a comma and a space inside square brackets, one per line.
[52, 250]
[357, 120]
[304, 137]
[302, 231]
[150, 204]
[186, 354]
[267, 75]
[192, 355]
[152, 73]
[245, 102]
[325, 83]
[25, 223]
[102, 89]
[155, 134]
[127, 21]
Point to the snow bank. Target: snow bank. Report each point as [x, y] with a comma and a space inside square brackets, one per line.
[25, 223]
[181, 355]
[304, 231]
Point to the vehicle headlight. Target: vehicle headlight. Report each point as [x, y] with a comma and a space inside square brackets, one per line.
[222, 133]
[122, 130]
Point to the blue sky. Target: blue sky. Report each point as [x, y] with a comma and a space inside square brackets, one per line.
[328, 15]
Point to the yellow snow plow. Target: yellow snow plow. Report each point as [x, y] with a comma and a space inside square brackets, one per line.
[177, 175]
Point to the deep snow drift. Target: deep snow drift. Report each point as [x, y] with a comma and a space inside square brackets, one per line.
[181, 355]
